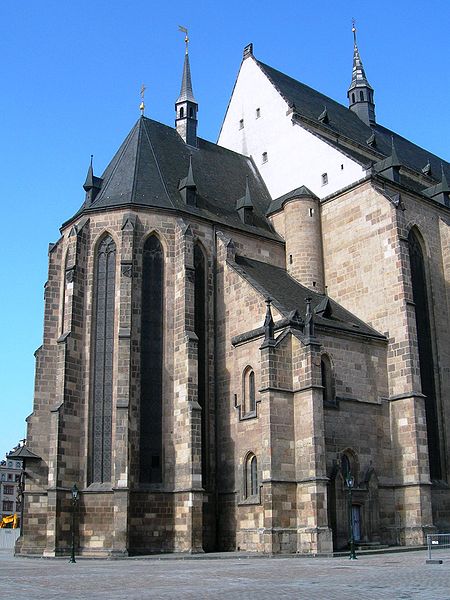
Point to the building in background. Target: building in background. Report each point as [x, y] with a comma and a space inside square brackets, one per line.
[232, 330]
[10, 482]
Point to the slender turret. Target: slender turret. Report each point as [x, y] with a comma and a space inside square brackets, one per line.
[360, 92]
[186, 107]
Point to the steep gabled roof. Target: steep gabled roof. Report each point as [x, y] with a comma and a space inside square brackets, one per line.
[288, 296]
[153, 159]
[310, 104]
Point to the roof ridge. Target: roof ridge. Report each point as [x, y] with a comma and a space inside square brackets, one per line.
[157, 164]
[124, 147]
[136, 162]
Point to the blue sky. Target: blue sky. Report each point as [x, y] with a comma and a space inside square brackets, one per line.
[70, 79]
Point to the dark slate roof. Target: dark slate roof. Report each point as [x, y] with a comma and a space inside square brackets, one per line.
[153, 159]
[310, 104]
[23, 453]
[288, 295]
[301, 192]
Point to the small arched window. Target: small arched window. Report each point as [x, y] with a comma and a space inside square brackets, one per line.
[181, 112]
[191, 112]
[349, 464]
[361, 96]
[327, 380]
[249, 391]
[251, 476]
[353, 98]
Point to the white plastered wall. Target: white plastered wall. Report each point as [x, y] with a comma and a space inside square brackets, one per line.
[295, 156]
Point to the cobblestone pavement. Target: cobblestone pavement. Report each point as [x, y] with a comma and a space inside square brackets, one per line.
[401, 576]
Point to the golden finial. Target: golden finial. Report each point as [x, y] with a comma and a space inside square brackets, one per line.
[186, 37]
[142, 104]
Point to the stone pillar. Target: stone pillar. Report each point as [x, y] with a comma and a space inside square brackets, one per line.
[187, 423]
[313, 533]
[64, 464]
[412, 491]
[120, 479]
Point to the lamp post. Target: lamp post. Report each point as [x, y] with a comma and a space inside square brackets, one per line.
[75, 498]
[350, 481]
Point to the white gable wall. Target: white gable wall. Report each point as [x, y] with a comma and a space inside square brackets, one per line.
[295, 156]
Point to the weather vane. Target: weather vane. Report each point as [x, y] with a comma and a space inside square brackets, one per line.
[142, 104]
[354, 28]
[186, 38]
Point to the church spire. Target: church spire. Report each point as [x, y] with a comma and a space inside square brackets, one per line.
[186, 107]
[360, 92]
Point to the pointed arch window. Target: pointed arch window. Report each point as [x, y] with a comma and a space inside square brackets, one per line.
[249, 391]
[420, 297]
[181, 112]
[361, 96]
[103, 351]
[151, 362]
[251, 476]
[327, 379]
[200, 328]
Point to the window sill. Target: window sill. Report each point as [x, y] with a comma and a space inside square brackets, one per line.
[250, 501]
[250, 415]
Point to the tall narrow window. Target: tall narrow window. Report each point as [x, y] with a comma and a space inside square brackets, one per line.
[200, 328]
[327, 379]
[151, 362]
[103, 343]
[420, 297]
[249, 390]
[251, 476]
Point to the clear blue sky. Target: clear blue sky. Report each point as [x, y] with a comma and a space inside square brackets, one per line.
[70, 79]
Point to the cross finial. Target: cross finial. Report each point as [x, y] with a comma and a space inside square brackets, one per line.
[142, 104]
[354, 29]
[186, 37]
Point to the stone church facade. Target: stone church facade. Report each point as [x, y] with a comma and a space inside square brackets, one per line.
[231, 329]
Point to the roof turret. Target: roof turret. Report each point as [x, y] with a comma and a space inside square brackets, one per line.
[186, 106]
[360, 92]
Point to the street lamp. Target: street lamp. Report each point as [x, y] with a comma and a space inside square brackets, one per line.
[350, 481]
[75, 498]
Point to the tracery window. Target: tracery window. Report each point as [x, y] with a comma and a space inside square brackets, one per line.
[420, 297]
[200, 328]
[151, 362]
[251, 476]
[102, 375]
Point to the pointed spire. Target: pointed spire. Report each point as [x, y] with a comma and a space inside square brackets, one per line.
[394, 156]
[269, 326]
[186, 107]
[244, 205]
[188, 187]
[309, 320]
[358, 73]
[360, 92]
[190, 176]
[89, 183]
[186, 92]
[92, 184]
